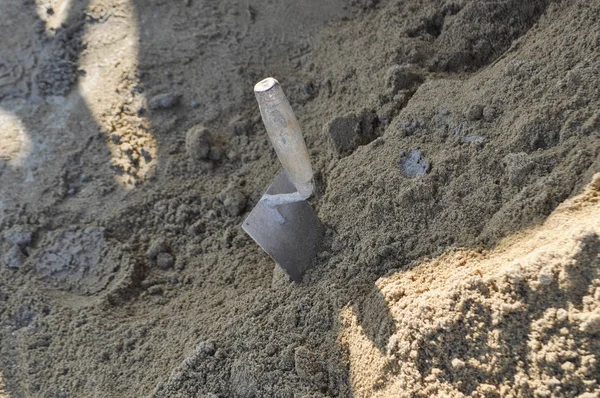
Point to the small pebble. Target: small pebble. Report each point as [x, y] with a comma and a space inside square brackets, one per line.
[164, 101]
[155, 290]
[562, 315]
[197, 143]
[489, 113]
[457, 364]
[349, 131]
[206, 347]
[475, 112]
[234, 202]
[156, 247]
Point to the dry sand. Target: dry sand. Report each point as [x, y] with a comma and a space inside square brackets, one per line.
[456, 145]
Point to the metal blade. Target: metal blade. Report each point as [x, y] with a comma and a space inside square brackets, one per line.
[292, 241]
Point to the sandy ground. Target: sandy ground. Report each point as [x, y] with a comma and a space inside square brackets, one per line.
[456, 148]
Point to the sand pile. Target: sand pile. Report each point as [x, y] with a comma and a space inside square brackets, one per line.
[455, 144]
[519, 320]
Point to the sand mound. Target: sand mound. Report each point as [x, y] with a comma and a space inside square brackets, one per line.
[455, 144]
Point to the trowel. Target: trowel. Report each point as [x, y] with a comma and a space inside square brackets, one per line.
[283, 223]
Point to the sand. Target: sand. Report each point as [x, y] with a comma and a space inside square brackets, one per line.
[455, 145]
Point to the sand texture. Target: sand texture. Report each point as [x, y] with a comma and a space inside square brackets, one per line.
[456, 153]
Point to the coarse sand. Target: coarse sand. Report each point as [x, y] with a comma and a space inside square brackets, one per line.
[456, 148]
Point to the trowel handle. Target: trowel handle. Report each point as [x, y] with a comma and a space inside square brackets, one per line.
[285, 134]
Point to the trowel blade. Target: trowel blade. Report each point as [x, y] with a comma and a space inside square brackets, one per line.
[292, 241]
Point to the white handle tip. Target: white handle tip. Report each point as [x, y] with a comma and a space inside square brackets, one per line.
[265, 85]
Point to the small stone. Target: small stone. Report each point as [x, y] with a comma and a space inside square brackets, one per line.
[164, 101]
[591, 324]
[413, 163]
[19, 235]
[155, 290]
[347, 132]
[164, 260]
[197, 228]
[270, 349]
[156, 247]
[518, 167]
[475, 112]
[215, 154]
[234, 202]
[562, 315]
[206, 348]
[489, 113]
[197, 143]
[14, 257]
